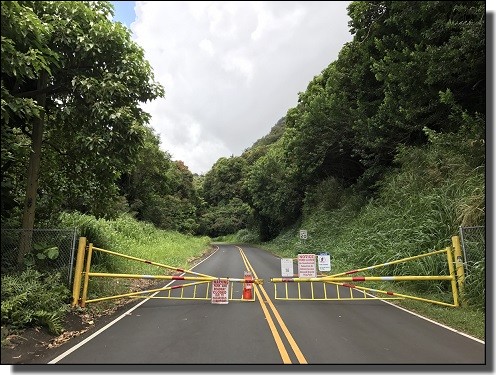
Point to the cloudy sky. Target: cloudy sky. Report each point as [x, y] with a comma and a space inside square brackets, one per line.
[230, 70]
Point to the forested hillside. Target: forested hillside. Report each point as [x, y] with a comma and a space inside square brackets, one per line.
[398, 117]
[382, 157]
[412, 82]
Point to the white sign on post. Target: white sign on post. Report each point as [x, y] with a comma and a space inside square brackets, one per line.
[303, 234]
[287, 267]
[220, 292]
[306, 265]
[324, 261]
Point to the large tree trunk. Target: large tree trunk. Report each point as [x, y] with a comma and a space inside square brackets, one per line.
[33, 174]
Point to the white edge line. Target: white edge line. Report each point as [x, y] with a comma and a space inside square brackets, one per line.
[429, 320]
[75, 347]
[437, 323]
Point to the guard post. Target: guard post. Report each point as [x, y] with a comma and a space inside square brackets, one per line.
[76, 286]
[460, 270]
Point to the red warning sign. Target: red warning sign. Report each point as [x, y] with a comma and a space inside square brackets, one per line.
[220, 292]
[306, 266]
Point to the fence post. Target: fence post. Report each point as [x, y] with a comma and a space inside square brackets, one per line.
[460, 271]
[76, 286]
[86, 276]
[452, 274]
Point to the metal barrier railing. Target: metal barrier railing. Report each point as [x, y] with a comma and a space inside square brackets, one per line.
[200, 287]
[455, 268]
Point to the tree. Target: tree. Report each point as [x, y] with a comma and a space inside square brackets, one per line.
[94, 78]
[274, 191]
[412, 52]
[225, 180]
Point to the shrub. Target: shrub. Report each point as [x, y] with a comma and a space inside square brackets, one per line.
[32, 299]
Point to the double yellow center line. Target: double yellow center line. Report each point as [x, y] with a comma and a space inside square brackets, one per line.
[259, 290]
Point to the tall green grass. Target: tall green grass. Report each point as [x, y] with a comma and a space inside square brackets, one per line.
[418, 208]
[127, 236]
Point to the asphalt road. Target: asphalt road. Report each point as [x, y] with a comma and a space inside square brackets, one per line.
[269, 331]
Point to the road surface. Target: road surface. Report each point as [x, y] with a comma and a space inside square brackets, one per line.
[269, 331]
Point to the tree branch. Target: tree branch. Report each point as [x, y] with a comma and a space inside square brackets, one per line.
[27, 133]
[34, 93]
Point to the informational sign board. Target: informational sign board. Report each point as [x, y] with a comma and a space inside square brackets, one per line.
[324, 262]
[287, 267]
[220, 292]
[306, 265]
[303, 234]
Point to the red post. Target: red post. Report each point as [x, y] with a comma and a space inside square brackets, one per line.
[248, 286]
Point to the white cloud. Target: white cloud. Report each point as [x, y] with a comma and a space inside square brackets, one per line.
[207, 46]
[232, 69]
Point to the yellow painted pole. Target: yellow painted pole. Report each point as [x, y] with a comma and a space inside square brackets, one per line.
[460, 271]
[76, 286]
[168, 277]
[452, 275]
[389, 263]
[150, 262]
[364, 278]
[137, 294]
[86, 276]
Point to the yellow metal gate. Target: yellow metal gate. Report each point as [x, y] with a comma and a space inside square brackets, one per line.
[342, 286]
[197, 287]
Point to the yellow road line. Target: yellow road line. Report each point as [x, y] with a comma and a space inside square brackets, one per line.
[289, 337]
[277, 338]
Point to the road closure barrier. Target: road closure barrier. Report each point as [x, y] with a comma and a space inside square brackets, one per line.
[342, 286]
[198, 286]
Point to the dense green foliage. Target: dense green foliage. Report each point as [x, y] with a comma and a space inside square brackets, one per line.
[127, 235]
[98, 155]
[224, 208]
[159, 190]
[415, 211]
[396, 86]
[34, 299]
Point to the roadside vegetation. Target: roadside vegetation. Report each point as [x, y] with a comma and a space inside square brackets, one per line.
[32, 298]
[382, 158]
[416, 210]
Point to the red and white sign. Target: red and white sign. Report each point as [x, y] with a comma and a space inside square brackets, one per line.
[306, 265]
[220, 292]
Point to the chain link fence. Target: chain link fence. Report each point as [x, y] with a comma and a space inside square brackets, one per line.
[51, 250]
[473, 240]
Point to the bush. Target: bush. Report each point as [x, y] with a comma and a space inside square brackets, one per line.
[34, 299]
